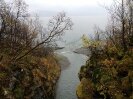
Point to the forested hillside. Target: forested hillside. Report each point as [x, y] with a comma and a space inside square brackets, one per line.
[28, 67]
[108, 73]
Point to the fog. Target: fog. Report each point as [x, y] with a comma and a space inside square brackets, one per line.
[45, 8]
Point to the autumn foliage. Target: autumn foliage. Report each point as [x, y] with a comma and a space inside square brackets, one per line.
[28, 67]
[108, 73]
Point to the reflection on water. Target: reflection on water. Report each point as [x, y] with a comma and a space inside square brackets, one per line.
[66, 88]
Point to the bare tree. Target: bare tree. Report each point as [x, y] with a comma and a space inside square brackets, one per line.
[19, 33]
[56, 27]
[120, 16]
[129, 5]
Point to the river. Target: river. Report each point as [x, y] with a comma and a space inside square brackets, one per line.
[66, 87]
[68, 81]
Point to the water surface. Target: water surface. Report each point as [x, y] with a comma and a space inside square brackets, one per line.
[66, 87]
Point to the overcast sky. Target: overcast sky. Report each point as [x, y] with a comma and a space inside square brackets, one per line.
[71, 7]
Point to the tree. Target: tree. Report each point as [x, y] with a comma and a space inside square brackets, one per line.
[121, 13]
[19, 33]
[130, 20]
[12, 21]
[56, 27]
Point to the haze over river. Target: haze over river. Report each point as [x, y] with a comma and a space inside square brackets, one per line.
[66, 87]
[82, 25]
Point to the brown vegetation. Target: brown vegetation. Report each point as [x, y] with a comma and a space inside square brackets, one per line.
[28, 67]
[108, 73]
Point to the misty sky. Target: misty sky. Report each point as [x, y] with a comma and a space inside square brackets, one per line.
[71, 7]
[84, 13]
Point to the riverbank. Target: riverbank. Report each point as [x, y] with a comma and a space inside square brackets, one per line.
[83, 51]
[62, 61]
[31, 78]
[106, 74]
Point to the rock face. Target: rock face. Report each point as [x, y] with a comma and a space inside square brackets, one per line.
[63, 61]
[106, 76]
[82, 50]
[33, 80]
